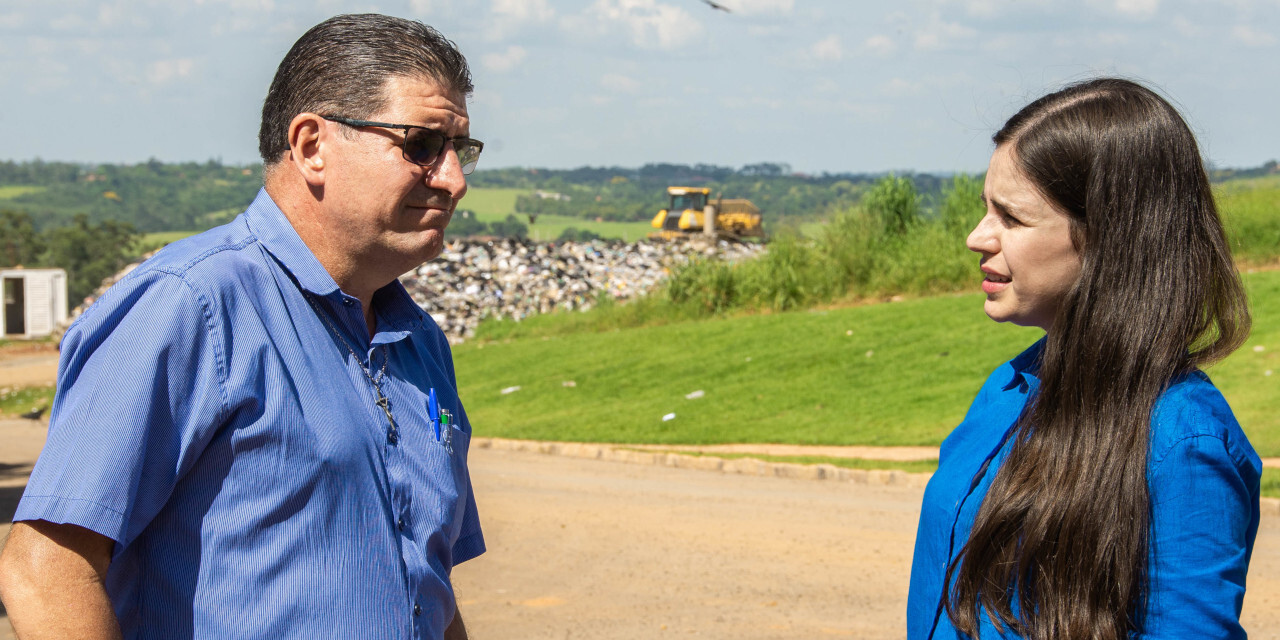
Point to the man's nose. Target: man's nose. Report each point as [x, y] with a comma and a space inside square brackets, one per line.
[447, 175]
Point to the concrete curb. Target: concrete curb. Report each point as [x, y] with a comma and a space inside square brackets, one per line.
[743, 466]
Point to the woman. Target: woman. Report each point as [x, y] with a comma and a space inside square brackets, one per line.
[1099, 486]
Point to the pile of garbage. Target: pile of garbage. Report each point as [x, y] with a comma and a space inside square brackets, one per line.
[514, 279]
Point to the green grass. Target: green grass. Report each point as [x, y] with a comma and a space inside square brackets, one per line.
[9, 192]
[549, 227]
[1271, 483]
[1250, 378]
[153, 241]
[800, 377]
[492, 205]
[803, 377]
[15, 401]
[1251, 213]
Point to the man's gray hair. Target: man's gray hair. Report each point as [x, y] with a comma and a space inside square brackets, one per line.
[341, 66]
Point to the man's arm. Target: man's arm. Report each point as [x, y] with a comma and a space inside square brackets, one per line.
[52, 582]
[457, 630]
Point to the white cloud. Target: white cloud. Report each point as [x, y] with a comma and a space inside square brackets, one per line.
[523, 11]
[421, 7]
[504, 60]
[650, 24]
[507, 16]
[620, 83]
[1252, 37]
[69, 22]
[827, 49]
[939, 35]
[1138, 8]
[164, 71]
[995, 8]
[1141, 9]
[880, 45]
[1110, 39]
[750, 7]
[11, 20]
[899, 87]
[1185, 27]
[255, 5]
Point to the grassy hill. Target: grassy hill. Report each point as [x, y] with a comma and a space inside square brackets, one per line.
[885, 374]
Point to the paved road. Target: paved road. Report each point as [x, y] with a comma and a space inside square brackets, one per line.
[613, 551]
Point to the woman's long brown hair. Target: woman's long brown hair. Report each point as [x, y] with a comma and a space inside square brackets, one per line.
[1063, 530]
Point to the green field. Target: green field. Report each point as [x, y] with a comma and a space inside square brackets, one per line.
[8, 192]
[152, 241]
[885, 374]
[492, 205]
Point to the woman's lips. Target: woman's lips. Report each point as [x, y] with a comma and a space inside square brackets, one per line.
[993, 283]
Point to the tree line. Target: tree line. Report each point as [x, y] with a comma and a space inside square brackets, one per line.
[627, 195]
[89, 252]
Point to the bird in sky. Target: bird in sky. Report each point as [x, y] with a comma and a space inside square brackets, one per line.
[715, 5]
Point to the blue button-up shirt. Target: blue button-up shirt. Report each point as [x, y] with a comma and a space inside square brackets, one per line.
[210, 423]
[1204, 481]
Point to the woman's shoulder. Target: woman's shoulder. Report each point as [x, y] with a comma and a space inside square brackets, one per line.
[1192, 408]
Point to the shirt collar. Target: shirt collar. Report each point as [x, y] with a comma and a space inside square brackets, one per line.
[277, 235]
[398, 314]
[1026, 367]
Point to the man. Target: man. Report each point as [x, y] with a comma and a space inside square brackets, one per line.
[257, 433]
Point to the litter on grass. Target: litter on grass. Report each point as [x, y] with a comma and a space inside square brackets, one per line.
[510, 390]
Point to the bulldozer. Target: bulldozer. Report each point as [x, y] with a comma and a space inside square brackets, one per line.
[691, 208]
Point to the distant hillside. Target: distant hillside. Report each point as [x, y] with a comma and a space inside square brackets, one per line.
[152, 196]
[158, 197]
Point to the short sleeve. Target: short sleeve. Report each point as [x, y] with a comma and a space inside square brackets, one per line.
[470, 543]
[140, 392]
[1204, 519]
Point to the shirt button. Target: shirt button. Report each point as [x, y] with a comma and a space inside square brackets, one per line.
[400, 523]
[417, 610]
[346, 301]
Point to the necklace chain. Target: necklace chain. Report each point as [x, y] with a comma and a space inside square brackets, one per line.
[393, 432]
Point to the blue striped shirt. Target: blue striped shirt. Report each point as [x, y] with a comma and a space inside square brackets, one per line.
[210, 423]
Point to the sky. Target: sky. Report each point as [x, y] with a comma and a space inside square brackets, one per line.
[821, 85]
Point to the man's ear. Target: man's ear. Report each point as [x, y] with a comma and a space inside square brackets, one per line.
[308, 141]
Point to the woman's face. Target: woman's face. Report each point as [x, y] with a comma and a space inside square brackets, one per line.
[1025, 242]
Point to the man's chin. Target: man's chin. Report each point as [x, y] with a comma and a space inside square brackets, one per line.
[432, 246]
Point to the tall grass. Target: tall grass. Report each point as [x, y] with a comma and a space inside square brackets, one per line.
[867, 253]
[861, 254]
[875, 252]
[1251, 212]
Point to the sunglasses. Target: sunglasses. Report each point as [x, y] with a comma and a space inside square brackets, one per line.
[423, 146]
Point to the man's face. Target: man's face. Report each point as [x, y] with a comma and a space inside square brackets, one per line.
[388, 213]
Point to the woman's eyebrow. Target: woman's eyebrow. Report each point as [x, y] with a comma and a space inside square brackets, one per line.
[998, 205]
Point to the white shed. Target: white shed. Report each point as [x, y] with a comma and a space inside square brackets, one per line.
[35, 301]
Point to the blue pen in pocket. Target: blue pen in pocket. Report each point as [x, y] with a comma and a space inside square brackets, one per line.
[433, 411]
